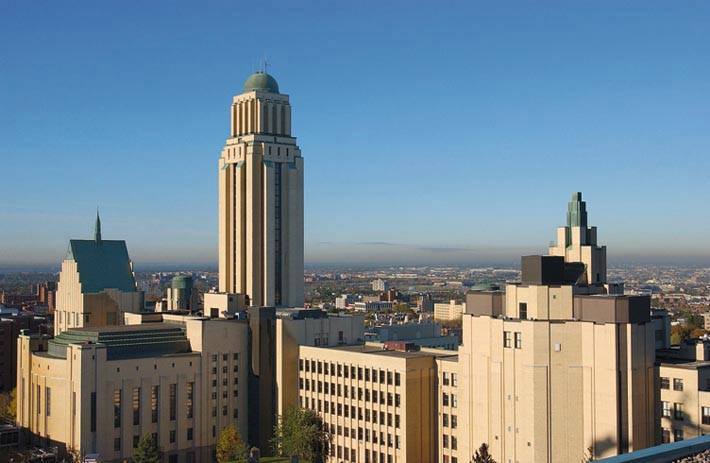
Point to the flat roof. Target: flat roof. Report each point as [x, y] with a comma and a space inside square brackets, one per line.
[377, 350]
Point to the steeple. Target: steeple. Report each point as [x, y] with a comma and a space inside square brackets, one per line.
[97, 228]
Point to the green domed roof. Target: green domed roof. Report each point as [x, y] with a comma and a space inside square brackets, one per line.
[261, 81]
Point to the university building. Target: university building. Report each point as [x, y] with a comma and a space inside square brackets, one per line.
[98, 390]
[379, 402]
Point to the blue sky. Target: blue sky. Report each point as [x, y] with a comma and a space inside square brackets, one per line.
[431, 132]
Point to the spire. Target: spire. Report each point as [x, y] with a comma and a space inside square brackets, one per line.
[97, 228]
[576, 211]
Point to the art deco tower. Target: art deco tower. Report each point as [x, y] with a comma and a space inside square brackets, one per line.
[261, 199]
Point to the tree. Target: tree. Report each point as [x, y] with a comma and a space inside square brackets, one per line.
[300, 432]
[147, 451]
[230, 446]
[8, 405]
[588, 455]
[482, 455]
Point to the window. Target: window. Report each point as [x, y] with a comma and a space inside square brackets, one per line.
[189, 433]
[454, 380]
[454, 444]
[706, 415]
[523, 310]
[678, 411]
[677, 384]
[190, 397]
[117, 408]
[396, 379]
[666, 409]
[454, 422]
[445, 441]
[172, 436]
[93, 412]
[677, 435]
[506, 338]
[154, 397]
[453, 401]
[136, 439]
[445, 399]
[518, 340]
[445, 420]
[173, 401]
[117, 444]
[48, 401]
[136, 401]
[665, 435]
[665, 384]
[445, 378]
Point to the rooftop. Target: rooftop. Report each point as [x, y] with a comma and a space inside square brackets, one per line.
[127, 341]
[102, 264]
[260, 80]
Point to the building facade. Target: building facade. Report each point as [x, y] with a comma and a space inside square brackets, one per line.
[448, 311]
[261, 199]
[308, 327]
[99, 390]
[96, 284]
[556, 365]
[380, 405]
[684, 379]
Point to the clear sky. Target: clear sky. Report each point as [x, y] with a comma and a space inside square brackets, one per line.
[431, 132]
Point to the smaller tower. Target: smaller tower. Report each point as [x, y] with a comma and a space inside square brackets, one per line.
[577, 242]
[97, 228]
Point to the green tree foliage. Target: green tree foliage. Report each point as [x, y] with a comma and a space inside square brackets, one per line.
[8, 405]
[300, 432]
[147, 451]
[482, 455]
[230, 446]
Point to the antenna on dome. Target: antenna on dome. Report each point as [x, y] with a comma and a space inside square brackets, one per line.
[264, 65]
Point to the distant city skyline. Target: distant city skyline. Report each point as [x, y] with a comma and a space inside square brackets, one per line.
[429, 134]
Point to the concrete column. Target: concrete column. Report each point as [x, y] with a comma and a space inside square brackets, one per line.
[254, 222]
[287, 122]
[295, 235]
[269, 250]
[223, 233]
[240, 229]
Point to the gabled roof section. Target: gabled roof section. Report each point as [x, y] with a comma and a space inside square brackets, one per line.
[102, 265]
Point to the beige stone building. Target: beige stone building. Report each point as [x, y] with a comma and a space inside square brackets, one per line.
[96, 284]
[684, 379]
[98, 390]
[380, 405]
[261, 199]
[555, 364]
[448, 311]
[308, 327]
[449, 410]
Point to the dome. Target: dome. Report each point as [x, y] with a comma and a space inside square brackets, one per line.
[261, 81]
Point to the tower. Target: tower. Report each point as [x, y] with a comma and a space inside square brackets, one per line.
[261, 199]
[577, 242]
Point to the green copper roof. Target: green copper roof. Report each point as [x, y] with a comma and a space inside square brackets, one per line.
[576, 211]
[125, 342]
[261, 81]
[102, 264]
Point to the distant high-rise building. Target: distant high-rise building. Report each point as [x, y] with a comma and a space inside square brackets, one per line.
[380, 285]
[261, 199]
[96, 284]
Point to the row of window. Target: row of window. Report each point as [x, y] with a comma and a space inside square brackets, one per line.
[449, 442]
[446, 402]
[350, 412]
[518, 337]
[445, 421]
[666, 383]
[154, 402]
[446, 459]
[366, 435]
[677, 410]
[349, 392]
[454, 379]
[371, 456]
[349, 371]
[666, 435]
[136, 439]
